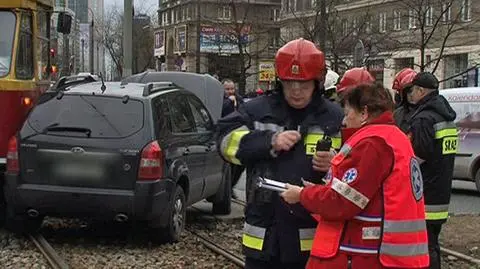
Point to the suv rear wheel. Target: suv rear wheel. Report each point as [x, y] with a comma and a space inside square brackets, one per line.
[176, 219]
[222, 203]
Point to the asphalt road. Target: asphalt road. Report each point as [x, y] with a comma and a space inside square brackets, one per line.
[465, 198]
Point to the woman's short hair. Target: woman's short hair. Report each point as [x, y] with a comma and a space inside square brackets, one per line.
[375, 97]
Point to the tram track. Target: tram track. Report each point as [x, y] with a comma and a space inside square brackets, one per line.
[52, 257]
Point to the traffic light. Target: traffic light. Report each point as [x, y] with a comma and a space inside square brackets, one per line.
[64, 23]
[52, 52]
[54, 69]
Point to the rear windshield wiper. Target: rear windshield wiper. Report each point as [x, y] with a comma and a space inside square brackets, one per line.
[86, 131]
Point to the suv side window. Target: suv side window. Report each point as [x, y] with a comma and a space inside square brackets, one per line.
[203, 122]
[162, 116]
[180, 114]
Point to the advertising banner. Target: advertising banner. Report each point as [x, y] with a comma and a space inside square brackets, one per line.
[222, 40]
[159, 48]
[266, 71]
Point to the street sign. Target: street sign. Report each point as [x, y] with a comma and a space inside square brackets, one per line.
[266, 71]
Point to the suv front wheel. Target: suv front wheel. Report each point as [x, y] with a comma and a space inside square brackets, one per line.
[176, 219]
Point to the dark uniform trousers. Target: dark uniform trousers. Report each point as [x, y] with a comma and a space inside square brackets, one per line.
[272, 264]
[434, 228]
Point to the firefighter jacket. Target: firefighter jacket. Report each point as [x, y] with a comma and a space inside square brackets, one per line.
[402, 116]
[434, 139]
[274, 228]
[372, 208]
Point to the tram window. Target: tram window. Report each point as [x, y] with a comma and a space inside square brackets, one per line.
[7, 20]
[24, 67]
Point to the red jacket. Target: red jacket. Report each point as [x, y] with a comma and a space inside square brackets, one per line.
[373, 205]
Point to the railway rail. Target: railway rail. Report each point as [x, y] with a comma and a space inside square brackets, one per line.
[55, 261]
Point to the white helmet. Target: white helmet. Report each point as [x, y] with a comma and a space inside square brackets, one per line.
[331, 80]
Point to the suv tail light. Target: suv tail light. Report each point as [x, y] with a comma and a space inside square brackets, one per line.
[151, 162]
[12, 156]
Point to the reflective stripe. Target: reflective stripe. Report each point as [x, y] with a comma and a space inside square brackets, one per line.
[253, 236]
[310, 142]
[306, 233]
[444, 125]
[359, 249]
[345, 150]
[444, 128]
[368, 219]
[436, 208]
[350, 193]
[436, 212]
[445, 132]
[315, 129]
[252, 242]
[231, 142]
[258, 232]
[336, 142]
[260, 126]
[404, 250]
[403, 226]
[436, 216]
[306, 238]
[3, 160]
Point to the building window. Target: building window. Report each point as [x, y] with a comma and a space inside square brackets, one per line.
[412, 19]
[429, 16]
[466, 10]
[274, 14]
[397, 20]
[401, 63]
[383, 22]
[344, 27]
[184, 15]
[314, 3]
[274, 38]
[224, 12]
[446, 12]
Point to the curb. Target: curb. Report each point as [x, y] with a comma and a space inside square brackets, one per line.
[460, 255]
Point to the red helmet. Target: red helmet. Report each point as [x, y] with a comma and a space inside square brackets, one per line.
[354, 77]
[403, 78]
[299, 59]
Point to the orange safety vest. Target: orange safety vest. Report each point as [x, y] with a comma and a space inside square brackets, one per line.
[401, 235]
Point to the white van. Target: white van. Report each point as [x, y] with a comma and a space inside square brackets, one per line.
[466, 103]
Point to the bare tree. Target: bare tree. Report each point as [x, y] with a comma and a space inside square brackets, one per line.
[437, 25]
[338, 35]
[112, 33]
[247, 31]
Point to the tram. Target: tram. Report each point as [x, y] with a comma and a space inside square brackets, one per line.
[24, 62]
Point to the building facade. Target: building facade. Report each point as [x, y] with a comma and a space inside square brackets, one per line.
[224, 38]
[388, 35]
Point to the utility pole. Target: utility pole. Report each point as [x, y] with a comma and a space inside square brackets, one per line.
[127, 37]
[197, 51]
[83, 55]
[92, 43]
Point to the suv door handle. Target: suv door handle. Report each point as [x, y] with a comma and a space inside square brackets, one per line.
[186, 151]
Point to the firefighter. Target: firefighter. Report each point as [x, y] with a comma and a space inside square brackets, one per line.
[274, 136]
[371, 213]
[434, 139]
[352, 78]
[401, 85]
[331, 80]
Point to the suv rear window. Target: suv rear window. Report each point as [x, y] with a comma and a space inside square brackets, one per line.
[106, 117]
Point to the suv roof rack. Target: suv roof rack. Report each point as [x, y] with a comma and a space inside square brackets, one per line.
[153, 87]
[67, 81]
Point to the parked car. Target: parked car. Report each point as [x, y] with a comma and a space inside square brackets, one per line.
[132, 152]
[466, 103]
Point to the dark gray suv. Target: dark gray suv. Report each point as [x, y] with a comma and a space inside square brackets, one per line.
[134, 152]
